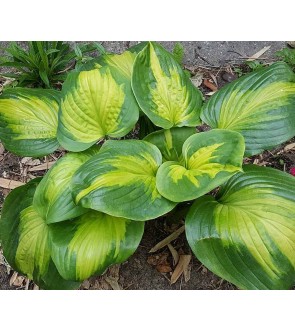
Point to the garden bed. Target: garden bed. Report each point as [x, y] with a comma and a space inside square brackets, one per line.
[145, 270]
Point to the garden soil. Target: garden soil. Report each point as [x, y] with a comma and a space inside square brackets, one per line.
[216, 64]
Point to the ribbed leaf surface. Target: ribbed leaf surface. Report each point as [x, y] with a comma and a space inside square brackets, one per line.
[28, 121]
[89, 244]
[121, 181]
[209, 159]
[163, 91]
[259, 105]
[247, 234]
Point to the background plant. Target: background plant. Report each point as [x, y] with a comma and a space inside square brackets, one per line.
[88, 211]
[44, 63]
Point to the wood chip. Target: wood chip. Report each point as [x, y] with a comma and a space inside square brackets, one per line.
[210, 85]
[174, 254]
[1, 148]
[10, 184]
[18, 282]
[13, 278]
[290, 146]
[258, 54]
[168, 239]
[41, 167]
[182, 265]
[27, 284]
[210, 93]
[35, 287]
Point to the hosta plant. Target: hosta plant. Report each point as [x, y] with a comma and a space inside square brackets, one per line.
[88, 211]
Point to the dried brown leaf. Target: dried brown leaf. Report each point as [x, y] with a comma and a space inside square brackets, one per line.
[29, 161]
[168, 239]
[114, 271]
[187, 272]
[163, 268]
[13, 278]
[210, 85]
[27, 283]
[258, 54]
[36, 287]
[214, 79]
[183, 263]
[158, 259]
[197, 79]
[290, 146]
[42, 167]
[102, 284]
[113, 282]
[18, 281]
[10, 184]
[174, 254]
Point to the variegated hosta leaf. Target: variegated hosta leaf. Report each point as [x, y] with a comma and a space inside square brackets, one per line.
[209, 159]
[260, 106]
[121, 181]
[247, 234]
[28, 121]
[163, 91]
[117, 63]
[25, 242]
[89, 244]
[170, 141]
[98, 103]
[53, 198]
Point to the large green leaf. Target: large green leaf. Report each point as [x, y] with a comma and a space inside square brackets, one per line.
[25, 239]
[53, 197]
[121, 181]
[18, 199]
[163, 91]
[89, 244]
[209, 159]
[247, 234]
[98, 103]
[28, 121]
[170, 141]
[259, 105]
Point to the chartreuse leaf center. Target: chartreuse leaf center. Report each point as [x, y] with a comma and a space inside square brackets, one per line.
[97, 102]
[247, 234]
[162, 89]
[122, 184]
[90, 243]
[33, 252]
[25, 239]
[209, 159]
[28, 121]
[259, 105]
[53, 198]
